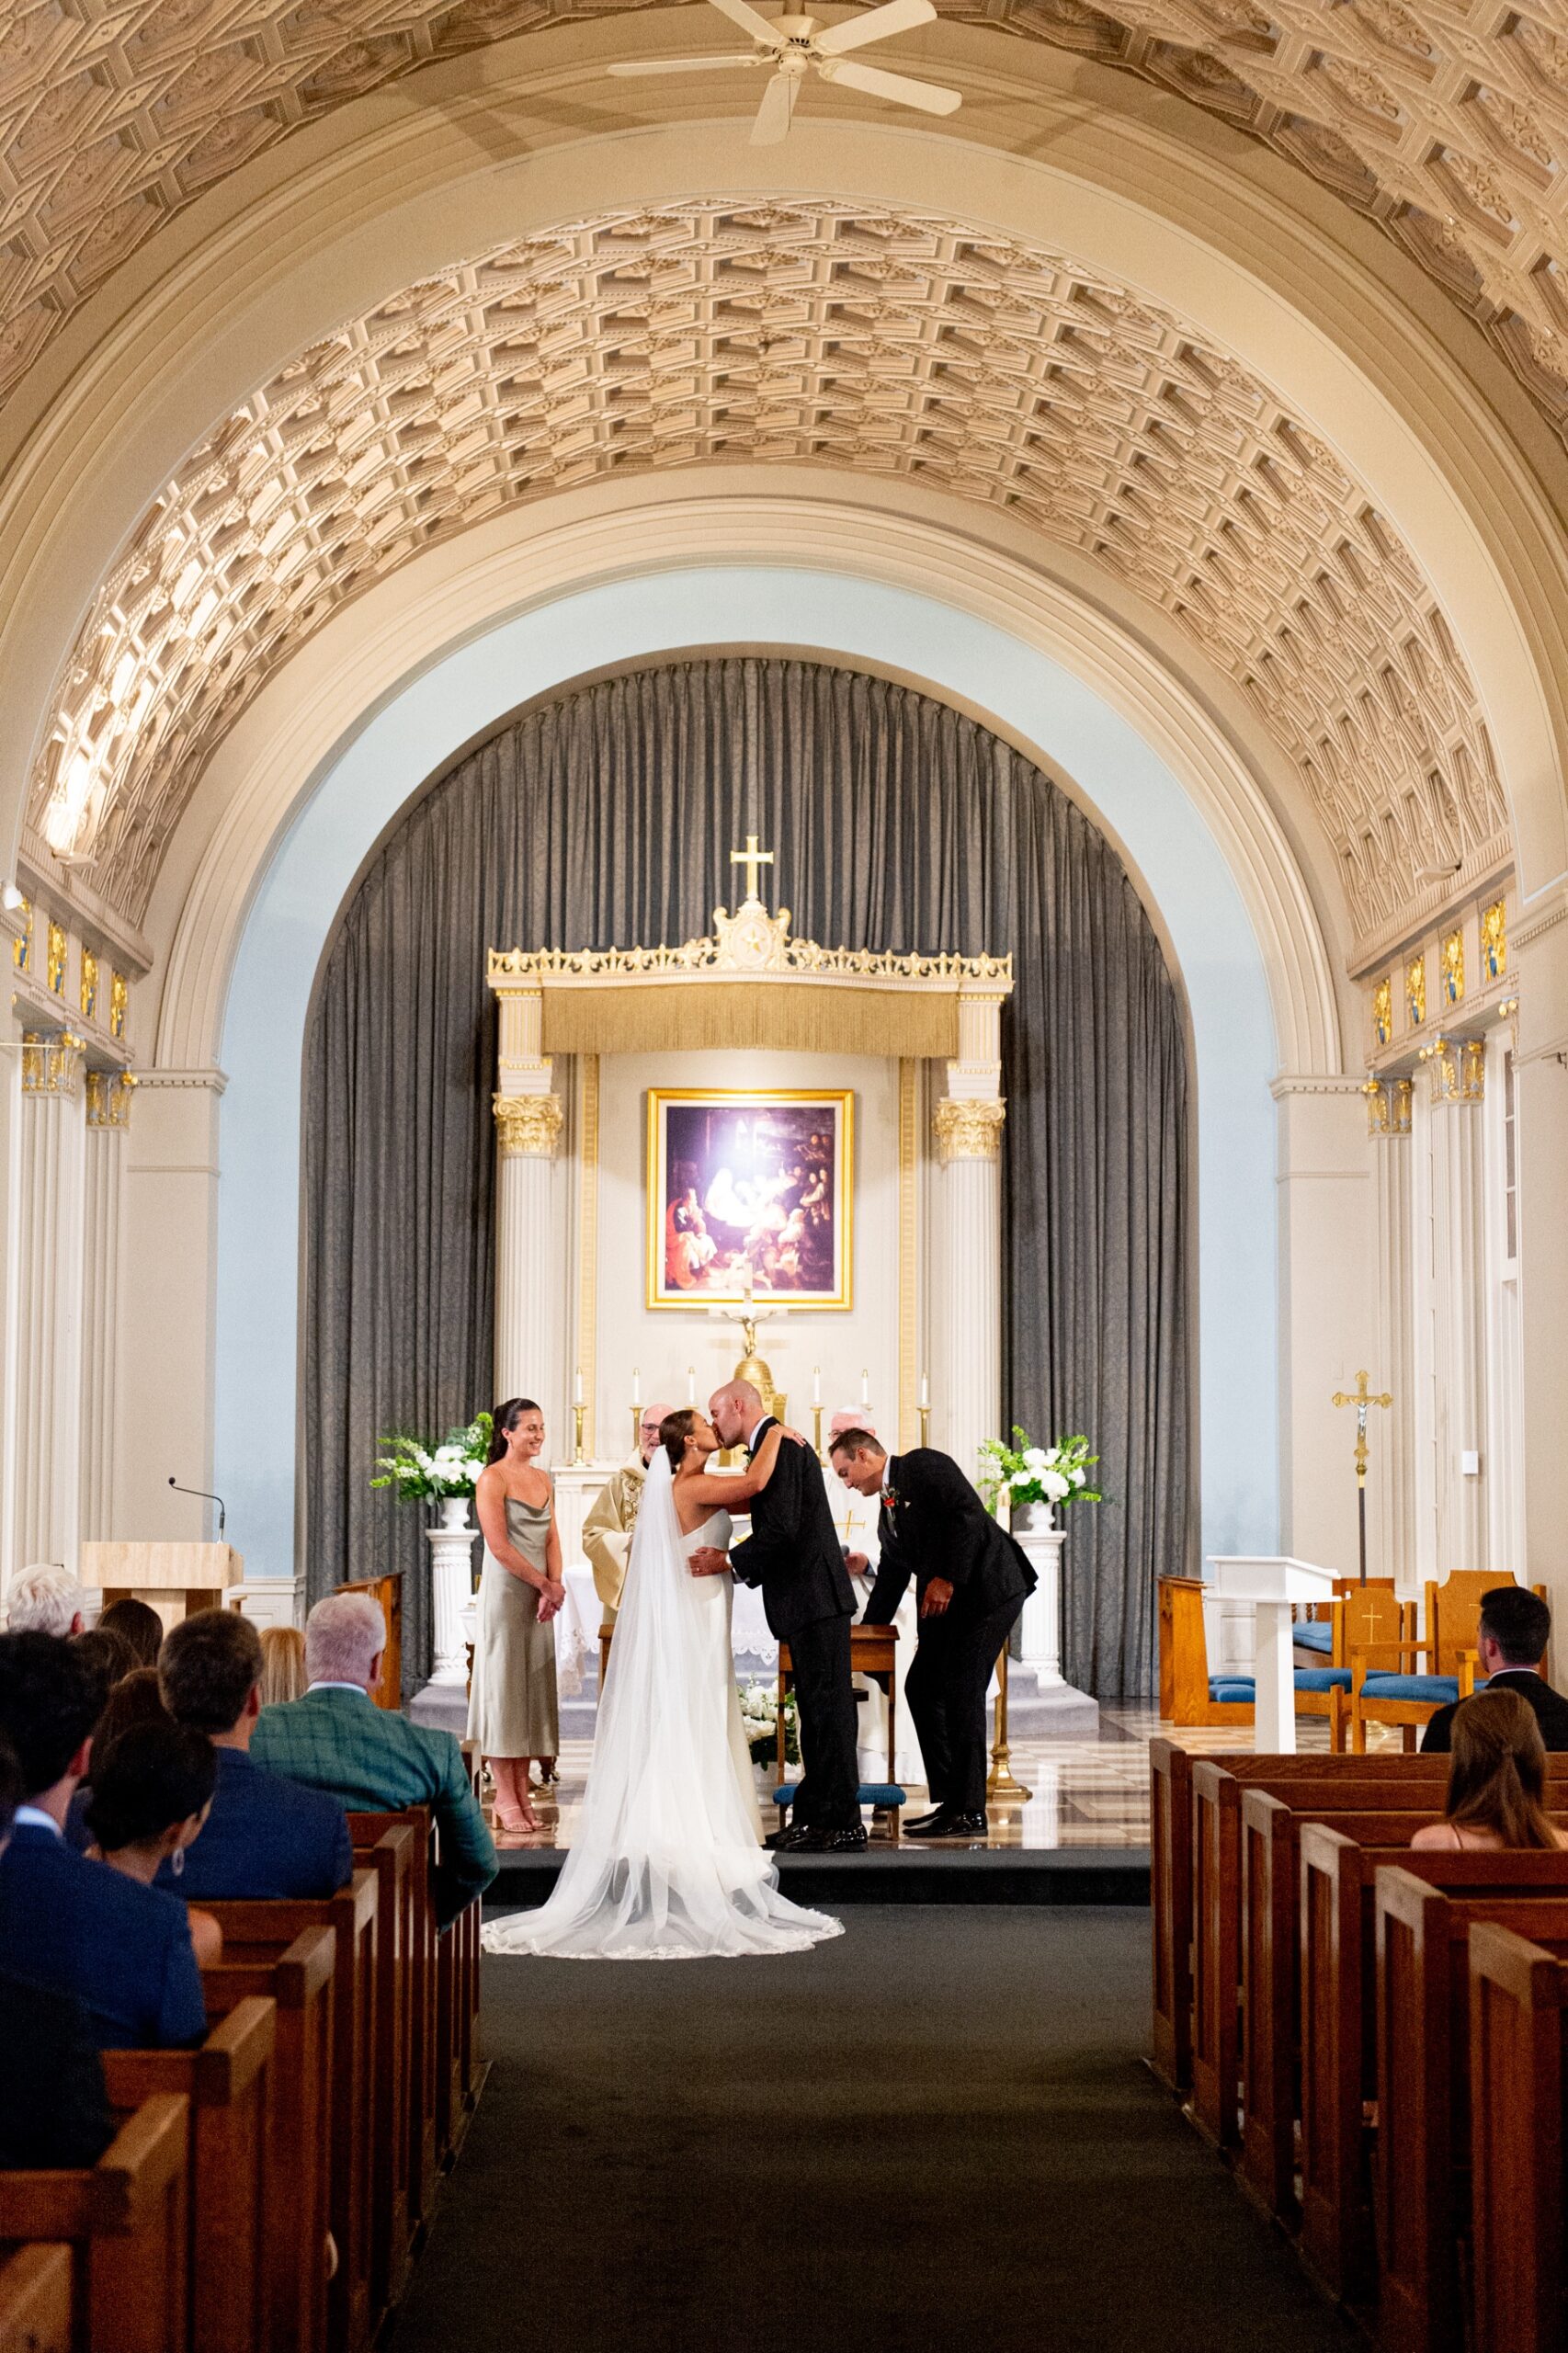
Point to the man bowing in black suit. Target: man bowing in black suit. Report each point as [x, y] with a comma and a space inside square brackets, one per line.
[1516, 1626]
[793, 1553]
[972, 1579]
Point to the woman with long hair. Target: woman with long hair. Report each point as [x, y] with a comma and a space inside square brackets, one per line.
[1496, 1779]
[138, 1623]
[151, 1792]
[512, 1711]
[282, 1665]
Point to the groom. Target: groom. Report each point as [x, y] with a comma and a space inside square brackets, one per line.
[793, 1553]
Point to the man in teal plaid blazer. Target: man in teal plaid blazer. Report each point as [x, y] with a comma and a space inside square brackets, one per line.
[336, 1738]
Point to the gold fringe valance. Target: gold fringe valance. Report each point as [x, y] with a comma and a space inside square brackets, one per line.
[811, 1018]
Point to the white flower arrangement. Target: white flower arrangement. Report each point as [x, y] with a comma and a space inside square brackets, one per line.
[419, 1473]
[1027, 1473]
[759, 1721]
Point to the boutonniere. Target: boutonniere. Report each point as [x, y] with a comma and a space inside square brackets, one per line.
[890, 1498]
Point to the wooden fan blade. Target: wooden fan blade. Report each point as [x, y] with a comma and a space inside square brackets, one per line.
[774, 114]
[877, 24]
[929, 96]
[680, 65]
[742, 13]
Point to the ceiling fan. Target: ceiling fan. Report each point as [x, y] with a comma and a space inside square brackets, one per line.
[792, 46]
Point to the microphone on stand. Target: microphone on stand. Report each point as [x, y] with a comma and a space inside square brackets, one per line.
[205, 1498]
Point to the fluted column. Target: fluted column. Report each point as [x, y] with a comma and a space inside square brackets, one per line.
[108, 1118]
[1392, 1517]
[48, 1304]
[1459, 1303]
[968, 1126]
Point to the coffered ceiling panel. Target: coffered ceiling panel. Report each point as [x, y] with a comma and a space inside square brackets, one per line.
[897, 345]
[1446, 120]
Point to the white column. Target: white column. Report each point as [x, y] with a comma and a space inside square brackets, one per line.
[528, 1278]
[1039, 1628]
[108, 1117]
[1537, 962]
[1459, 1321]
[451, 1581]
[10, 1219]
[968, 1223]
[47, 1493]
[1390, 1500]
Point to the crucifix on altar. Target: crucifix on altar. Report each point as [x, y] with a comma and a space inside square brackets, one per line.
[753, 860]
[1361, 1398]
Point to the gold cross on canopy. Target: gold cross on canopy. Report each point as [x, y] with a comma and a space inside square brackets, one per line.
[1360, 1397]
[751, 858]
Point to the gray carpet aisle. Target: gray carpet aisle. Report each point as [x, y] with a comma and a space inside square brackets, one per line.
[932, 2133]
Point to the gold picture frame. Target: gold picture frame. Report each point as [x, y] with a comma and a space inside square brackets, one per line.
[751, 1184]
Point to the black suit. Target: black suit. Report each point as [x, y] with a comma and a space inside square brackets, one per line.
[1550, 1708]
[53, 2107]
[937, 1526]
[793, 1553]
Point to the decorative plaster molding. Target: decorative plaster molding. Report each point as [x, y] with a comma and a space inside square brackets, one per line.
[529, 1126]
[209, 1082]
[968, 1131]
[1308, 1083]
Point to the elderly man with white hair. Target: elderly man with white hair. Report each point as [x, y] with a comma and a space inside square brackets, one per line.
[335, 1738]
[45, 1599]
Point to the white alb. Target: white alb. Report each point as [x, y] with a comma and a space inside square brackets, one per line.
[667, 1863]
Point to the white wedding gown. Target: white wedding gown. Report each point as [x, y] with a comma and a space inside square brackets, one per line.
[667, 1863]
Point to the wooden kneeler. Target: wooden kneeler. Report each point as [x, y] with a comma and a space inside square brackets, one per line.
[300, 1983]
[227, 2084]
[126, 2222]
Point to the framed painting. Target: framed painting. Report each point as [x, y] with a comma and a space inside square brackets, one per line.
[750, 1191]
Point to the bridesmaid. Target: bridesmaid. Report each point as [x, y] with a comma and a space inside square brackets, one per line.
[512, 1707]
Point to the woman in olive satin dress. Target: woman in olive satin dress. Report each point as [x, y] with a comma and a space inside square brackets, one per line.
[512, 1710]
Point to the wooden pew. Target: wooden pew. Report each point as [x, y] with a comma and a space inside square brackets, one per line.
[1170, 1898]
[262, 1933]
[299, 1982]
[227, 2085]
[459, 2072]
[1218, 1784]
[1423, 2030]
[35, 2301]
[388, 1854]
[1518, 2058]
[419, 1941]
[1339, 2045]
[126, 2222]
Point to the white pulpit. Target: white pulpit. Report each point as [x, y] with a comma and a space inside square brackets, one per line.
[1272, 1585]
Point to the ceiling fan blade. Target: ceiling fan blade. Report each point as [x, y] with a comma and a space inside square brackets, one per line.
[877, 24]
[680, 65]
[742, 13]
[773, 116]
[929, 96]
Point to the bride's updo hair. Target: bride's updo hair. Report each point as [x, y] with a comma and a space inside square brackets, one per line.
[674, 1431]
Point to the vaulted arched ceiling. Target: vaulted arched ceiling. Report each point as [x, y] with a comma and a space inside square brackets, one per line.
[890, 343]
[1445, 120]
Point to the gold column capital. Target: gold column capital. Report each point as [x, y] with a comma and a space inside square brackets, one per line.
[108, 1099]
[529, 1126]
[1457, 1068]
[969, 1129]
[52, 1066]
[1388, 1106]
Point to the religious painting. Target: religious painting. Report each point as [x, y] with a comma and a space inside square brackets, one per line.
[750, 1193]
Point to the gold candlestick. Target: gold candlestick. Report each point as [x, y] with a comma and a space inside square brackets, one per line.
[925, 1413]
[637, 1429]
[816, 1430]
[577, 1413]
[1001, 1783]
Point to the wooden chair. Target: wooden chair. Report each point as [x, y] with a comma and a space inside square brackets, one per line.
[1518, 2062]
[126, 2222]
[300, 1983]
[35, 2301]
[1191, 1695]
[227, 2086]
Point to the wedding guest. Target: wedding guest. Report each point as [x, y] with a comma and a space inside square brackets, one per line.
[53, 2107]
[335, 1738]
[109, 1651]
[45, 1600]
[1496, 1793]
[1513, 1630]
[606, 1531]
[972, 1579]
[139, 1624]
[266, 1837]
[513, 1713]
[151, 1793]
[76, 1927]
[282, 1665]
[134, 1699]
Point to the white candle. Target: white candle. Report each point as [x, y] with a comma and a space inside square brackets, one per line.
[691, 1384]
[637, 1385]
[816, 1384]
[864, 1386]
[926, 1389]
[577, 1387]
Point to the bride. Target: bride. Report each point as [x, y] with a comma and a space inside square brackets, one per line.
[667, 1863]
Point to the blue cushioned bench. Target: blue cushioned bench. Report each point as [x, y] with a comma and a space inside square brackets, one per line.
[1313, 1634]
[885, 1796]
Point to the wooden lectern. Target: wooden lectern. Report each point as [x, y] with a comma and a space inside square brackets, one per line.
[175, 1579]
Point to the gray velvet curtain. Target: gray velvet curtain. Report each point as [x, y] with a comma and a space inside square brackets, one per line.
[607, 816]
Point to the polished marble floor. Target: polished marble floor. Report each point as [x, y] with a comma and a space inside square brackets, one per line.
[1082, 1792]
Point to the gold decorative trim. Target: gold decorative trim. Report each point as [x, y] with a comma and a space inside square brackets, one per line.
[54, 967]
[108, 1099]
[1388, 1106]
[88, 994]
[1457, 1069]
[588, 1239]
[1382, 1010]
[22, 944]
[119, 1003]
[969, 1130]
[52, 1066]
[1415, 991]
[908, 1248]
[1494, 941]
[1453, 968]
[529, 1126]
[751, 940]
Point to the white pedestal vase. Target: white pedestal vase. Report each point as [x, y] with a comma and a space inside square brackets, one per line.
[451, 1586]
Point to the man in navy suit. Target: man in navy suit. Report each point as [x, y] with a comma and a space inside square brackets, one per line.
[266, 1837]
[66, 1924]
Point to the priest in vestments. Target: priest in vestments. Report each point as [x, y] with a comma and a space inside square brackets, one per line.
[606, 1531]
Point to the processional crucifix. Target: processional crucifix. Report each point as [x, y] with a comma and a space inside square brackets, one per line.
[1361, 1397]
